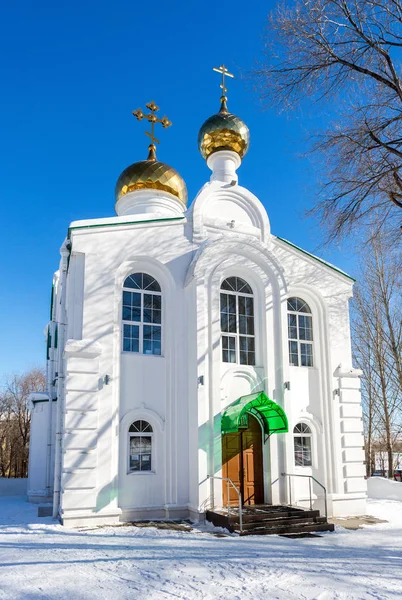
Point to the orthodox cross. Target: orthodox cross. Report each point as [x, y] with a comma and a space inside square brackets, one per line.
[152, 118]
[225, 73]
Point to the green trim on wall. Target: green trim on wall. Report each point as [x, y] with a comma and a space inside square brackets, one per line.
[320, 260]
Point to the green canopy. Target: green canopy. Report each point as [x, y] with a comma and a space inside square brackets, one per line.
[259, 405]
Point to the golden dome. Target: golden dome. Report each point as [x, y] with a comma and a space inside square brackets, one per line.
[223, 131]
[151, 174]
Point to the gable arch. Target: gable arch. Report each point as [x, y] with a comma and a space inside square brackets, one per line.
[213, 253]
[219, 202]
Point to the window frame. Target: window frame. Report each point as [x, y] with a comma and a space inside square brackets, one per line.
[237, 335]
[305, 433]
[141, 323]
[139, 434]
[292, 340]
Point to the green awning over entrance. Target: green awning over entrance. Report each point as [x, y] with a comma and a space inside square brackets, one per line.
[271, 414]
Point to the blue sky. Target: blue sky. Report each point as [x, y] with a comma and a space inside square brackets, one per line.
[71, 73]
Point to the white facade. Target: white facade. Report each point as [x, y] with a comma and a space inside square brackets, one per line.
[101, 390]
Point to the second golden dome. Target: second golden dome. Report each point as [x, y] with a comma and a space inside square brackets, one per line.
[223, 131]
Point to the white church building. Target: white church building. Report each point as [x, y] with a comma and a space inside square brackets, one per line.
[188, 345]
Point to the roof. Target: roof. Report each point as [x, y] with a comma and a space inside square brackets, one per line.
[317, 258]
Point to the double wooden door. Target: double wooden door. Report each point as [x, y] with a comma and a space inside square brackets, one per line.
[242, 463]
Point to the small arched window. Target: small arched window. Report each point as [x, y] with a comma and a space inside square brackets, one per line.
[300, 332]
[140, 446]
[302, 442]
[237, 322]
[142, 314]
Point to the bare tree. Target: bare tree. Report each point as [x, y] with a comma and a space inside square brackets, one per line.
[377, 324]
[15, 421]
[344, 53]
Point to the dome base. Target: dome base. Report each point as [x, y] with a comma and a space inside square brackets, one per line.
[156, 202]
[223, 165]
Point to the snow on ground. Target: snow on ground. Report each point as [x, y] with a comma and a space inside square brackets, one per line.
[42, 560]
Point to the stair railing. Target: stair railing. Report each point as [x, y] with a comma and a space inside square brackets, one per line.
[229, 483]
[310, 479]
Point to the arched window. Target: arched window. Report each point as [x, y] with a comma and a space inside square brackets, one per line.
[302, 441]
[140, 446]
[300, 332]
[142, 314]
[237, 322]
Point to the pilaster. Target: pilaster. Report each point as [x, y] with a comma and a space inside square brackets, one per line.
[353, 486]
[80, 459]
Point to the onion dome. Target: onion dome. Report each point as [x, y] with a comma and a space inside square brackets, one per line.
[223, 131]
[151, 174]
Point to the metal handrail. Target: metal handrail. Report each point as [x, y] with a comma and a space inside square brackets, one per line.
[310, 477]
[230, 482]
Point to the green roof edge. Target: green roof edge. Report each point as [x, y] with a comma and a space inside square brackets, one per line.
[123, 223]
[320, 260]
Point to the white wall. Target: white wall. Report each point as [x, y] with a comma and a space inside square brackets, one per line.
[381, 488]
[40, 469]
[151, 386]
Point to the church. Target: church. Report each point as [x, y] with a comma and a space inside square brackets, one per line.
[195, 360]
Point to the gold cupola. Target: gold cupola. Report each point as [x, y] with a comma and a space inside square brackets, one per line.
[151, 174]
[223, 131]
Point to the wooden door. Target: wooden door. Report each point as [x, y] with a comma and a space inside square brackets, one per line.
[232, 466]
[242, 463]
[253, 479]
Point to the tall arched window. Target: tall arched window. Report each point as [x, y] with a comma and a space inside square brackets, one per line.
[302, 441]
[142, 314]
[300, 332]
[237, 322]
[140, 446]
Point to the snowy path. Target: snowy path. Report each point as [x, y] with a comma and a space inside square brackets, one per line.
[41, 560]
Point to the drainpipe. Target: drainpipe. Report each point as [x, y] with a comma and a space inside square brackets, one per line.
[62, 324]
[49, 381]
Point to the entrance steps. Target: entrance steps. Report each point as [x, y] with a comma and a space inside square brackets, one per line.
[265, 519]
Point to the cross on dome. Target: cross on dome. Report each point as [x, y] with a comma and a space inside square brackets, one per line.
[153, 119]
[225, 73]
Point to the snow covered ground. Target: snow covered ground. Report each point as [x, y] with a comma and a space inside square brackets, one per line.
[42, 560]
